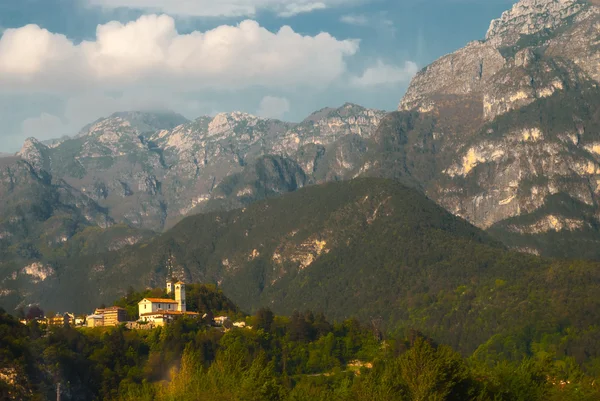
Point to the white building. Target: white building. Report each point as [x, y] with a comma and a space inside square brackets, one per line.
[151, 305]
[95, 321]
[160, 311]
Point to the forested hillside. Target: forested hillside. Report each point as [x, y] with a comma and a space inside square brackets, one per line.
[301, 357]
[370, 249]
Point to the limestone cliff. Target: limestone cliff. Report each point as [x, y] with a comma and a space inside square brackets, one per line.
[515, 117]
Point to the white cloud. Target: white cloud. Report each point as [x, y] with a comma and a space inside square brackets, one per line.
[300, 8]
[80, 110]
[273, 107]
[150, 51]
[46, 126]
[360, 20]
[385, 74]
[223, 8]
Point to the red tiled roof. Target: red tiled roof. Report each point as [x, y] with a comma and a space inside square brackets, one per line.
[159, 300]
[164, 312]
[110, 308]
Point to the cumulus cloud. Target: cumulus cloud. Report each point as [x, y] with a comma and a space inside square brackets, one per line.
[385, 74]
[150, 51]
[273, 107]
[223, 8]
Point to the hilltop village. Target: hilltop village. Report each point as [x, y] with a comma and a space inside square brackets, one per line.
[152, 312]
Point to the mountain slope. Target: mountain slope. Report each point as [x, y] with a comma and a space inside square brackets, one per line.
[43, 220]
[491, 131]
[365, 248]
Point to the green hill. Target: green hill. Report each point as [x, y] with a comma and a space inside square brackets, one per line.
[372, 249]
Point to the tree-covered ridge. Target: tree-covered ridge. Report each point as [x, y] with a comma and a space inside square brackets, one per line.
[370, 249]
[301, 357]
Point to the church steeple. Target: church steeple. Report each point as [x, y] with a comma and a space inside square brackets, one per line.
[180, 295]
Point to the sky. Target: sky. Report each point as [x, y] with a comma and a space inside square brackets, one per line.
[66, 63]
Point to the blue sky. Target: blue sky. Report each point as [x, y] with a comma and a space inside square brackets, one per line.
[202, 62]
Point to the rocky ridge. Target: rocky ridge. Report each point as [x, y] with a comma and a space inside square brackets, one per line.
[528, 98]
[151, 170]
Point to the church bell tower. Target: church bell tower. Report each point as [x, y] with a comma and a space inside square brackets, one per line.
[180, 296]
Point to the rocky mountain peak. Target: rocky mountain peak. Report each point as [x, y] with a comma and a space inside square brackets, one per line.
[528, 17]
[349, 112]
[224, 120]
[530, 52]
[29, 143]
[134, 123]
[34, 152]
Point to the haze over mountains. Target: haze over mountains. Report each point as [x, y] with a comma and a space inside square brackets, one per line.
[504, 133]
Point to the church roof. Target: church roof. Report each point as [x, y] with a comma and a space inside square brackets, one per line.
[180, 282]
[172, 313]
[159, 300]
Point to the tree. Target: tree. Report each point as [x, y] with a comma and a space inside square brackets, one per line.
[433, 373]
[34, 312]
[264, 319]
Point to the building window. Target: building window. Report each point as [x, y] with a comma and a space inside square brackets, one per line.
[145, 306]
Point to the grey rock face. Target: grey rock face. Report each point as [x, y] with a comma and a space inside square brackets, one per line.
[150, 170]
[565, 30]
[529, 17]
[529, 97]
[461, 73]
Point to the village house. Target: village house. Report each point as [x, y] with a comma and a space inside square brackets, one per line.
[94, 321]
[161, 311]
[108, 317]
[59, 320]
[113, 316]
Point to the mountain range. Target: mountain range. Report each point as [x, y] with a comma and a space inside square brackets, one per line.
[504, 133]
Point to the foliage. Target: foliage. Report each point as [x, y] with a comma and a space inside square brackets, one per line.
[343, 361]
[390, 257]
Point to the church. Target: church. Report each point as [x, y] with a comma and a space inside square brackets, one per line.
[161, 311]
